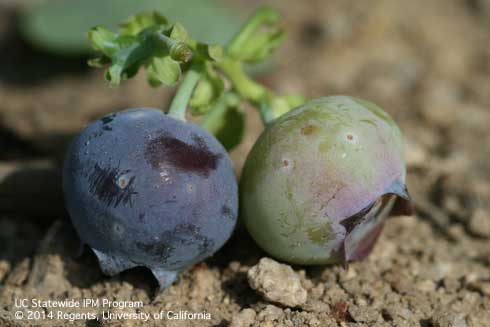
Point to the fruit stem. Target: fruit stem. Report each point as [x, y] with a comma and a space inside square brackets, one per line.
[179, 103]
[245, 86]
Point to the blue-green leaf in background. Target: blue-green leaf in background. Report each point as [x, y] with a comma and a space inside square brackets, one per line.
[60, 26]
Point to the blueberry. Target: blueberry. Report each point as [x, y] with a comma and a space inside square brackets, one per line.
[144, 189]
[320, 181]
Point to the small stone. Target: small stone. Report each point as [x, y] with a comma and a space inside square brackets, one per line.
[363, 314]
[270, 313]
[451, 284]
[351, 273]
[315, 322]
[19, 274]
[479, 224]
[427, 286]
[482, 287]
[478, 318]
[234, 266]
[313, 305]
[203, 282]
[317, 291]
[244, 318]
[277, 282]
[415, 154]
[446, 318]
[4, 269]
[399, 282]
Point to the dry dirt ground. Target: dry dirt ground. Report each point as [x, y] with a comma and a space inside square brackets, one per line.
[426, 62]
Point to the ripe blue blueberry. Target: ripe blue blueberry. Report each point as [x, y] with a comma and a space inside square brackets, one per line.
[145, 189]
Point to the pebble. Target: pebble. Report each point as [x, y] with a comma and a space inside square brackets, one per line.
[363, 314]
[19, 274]
[244, 318]
[479, 224]
[277, 282]
[4, 269]
[270, 313]
[447, 318]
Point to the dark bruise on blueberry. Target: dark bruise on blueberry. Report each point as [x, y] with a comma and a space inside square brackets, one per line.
[188, 234]
[161, 250]
[227, 212]
[182, 235]
[195, 157]
[103, 184]
[107, 119]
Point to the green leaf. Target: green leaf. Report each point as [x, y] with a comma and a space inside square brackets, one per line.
[149, 48]
[258, 37]
[163, 70]
[208, 90]
[212, 52]
[125, 54]
[137, 23]
[103, 40]
[215, 52]
[126, 61]
[261, 46]
[226, 121]
[179, 33]
[99, 62]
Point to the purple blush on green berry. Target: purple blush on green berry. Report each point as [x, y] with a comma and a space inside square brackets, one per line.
[145, 189]
[321, 180]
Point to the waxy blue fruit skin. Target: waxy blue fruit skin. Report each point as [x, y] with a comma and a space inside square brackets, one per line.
[320, 181]
[145, 189]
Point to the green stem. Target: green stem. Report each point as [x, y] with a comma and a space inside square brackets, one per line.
[244, 85]
[179, 103]
[262, 15]
[214, 120]
[270, 105]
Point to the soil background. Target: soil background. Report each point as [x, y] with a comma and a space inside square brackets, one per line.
[427, 63]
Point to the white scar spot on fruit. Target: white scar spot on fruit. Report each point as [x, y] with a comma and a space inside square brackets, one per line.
[189, 188]
[164, 176]
[344, 155]
[118, 229]
[286, 165]
[123, 181]
[351, 138]
[137, 114]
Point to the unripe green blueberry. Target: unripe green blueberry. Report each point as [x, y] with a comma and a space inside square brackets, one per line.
[320, 181]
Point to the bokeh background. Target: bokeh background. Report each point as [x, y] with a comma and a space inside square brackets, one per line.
[427, 63]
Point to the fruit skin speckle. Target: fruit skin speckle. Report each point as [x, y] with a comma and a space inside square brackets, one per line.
[348, 174]
[129, 214]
